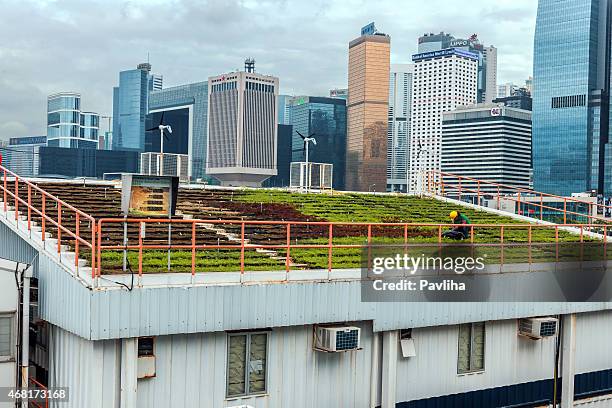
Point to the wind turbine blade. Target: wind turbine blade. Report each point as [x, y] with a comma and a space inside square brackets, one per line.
[312, 134]
[301, 135]
[155, 128]
[314, 142]
[161, 120]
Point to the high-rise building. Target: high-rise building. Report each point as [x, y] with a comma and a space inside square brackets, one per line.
[67, 125]
[519, 99]
[442, 81]
[529, 85]
[326, 119]
[505, 90]
[185, 109]
[487, 142]
[487, 59]
[21, 154]
[367, 110]
[284, 110]
[571, 105]
[283, 158]
[398, 129]
[131, 105]
[56, 161]
[242, 127]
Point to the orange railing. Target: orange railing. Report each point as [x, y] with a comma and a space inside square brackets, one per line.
[326, 231]
[470, 189]
[36, 384]
[18, 192]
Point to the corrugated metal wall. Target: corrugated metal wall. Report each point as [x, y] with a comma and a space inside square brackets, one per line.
[191, 372]
[90, 369]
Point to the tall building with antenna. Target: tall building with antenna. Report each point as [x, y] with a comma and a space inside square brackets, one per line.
[242, 127]
[367, 106]
[131, 105]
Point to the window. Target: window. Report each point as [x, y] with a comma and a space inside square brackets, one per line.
[246, 363]
[471, 348]
[6, 337]
[146, 346]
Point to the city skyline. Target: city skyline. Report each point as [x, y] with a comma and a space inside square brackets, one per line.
[184, 51]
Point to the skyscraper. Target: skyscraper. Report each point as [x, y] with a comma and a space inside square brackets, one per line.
[571, 106]
[326, 118]
[242, 127]
[130, 106]
[367, 106]
[67, 125]
[185, 108]
[443, 80]
[398, 130]
[487, 59]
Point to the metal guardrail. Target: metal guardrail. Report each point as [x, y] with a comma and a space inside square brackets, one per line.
[453, 185]
[286, 228]
[37, 384]
[21, 197]
[19, 192]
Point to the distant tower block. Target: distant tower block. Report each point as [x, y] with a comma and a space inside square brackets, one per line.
[242, 127]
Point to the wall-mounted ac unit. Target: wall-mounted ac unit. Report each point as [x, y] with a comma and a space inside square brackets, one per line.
[335, 339]
[538, 327]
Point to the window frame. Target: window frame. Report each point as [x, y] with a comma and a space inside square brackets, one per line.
[471, 370]
[248, 335]
[12, 330]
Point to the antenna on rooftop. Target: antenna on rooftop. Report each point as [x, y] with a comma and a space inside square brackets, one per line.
[249, 65]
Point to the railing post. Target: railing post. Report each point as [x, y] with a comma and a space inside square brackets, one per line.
[519, 211]
[498, 200]
[472, 234]
[439, 233]
[140, 225]
[16, 198]
[29, 207]
[501, 247]
[44, 215]
[442, 184]
[76, 240]
[564, 210]
[99, 248]
[94, 264]
[541, 207]
[4, 190]
[478, 194]
[242, 247]
[329, 250]
[288, 255]
[59, 227]
[529, 243]
[405, 234]
[193, 248]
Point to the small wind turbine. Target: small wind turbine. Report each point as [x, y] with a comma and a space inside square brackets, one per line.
[307, 140]
[420, 150]
[162, 135]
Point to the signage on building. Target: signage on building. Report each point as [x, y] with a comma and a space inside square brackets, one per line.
[146, 196]
[459, 43]
[369, 29]
[444, 53]
[16, 141]
[496, 111]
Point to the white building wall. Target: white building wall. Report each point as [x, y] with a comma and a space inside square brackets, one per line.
[8, 308]
[398, 130]
[439, 85]
[490, 55]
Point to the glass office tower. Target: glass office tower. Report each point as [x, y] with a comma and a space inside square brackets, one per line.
[67, 126]
[326, 118]
[571, 99]
[130, 107]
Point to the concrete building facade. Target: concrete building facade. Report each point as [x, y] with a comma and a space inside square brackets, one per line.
[367, 112]
[443, 80]
[398, 131]
[242, 128]
[490, 143]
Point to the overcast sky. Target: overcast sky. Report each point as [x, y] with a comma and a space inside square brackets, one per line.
[49, 46]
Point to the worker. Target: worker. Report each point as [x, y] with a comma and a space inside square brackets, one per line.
[460, 231]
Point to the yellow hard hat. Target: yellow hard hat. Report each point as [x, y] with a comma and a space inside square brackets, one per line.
[453, 214]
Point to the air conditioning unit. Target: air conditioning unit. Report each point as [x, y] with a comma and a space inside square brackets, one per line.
[335, 339]
[538, 327]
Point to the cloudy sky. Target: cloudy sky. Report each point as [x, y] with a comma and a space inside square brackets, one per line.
[48, 46]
